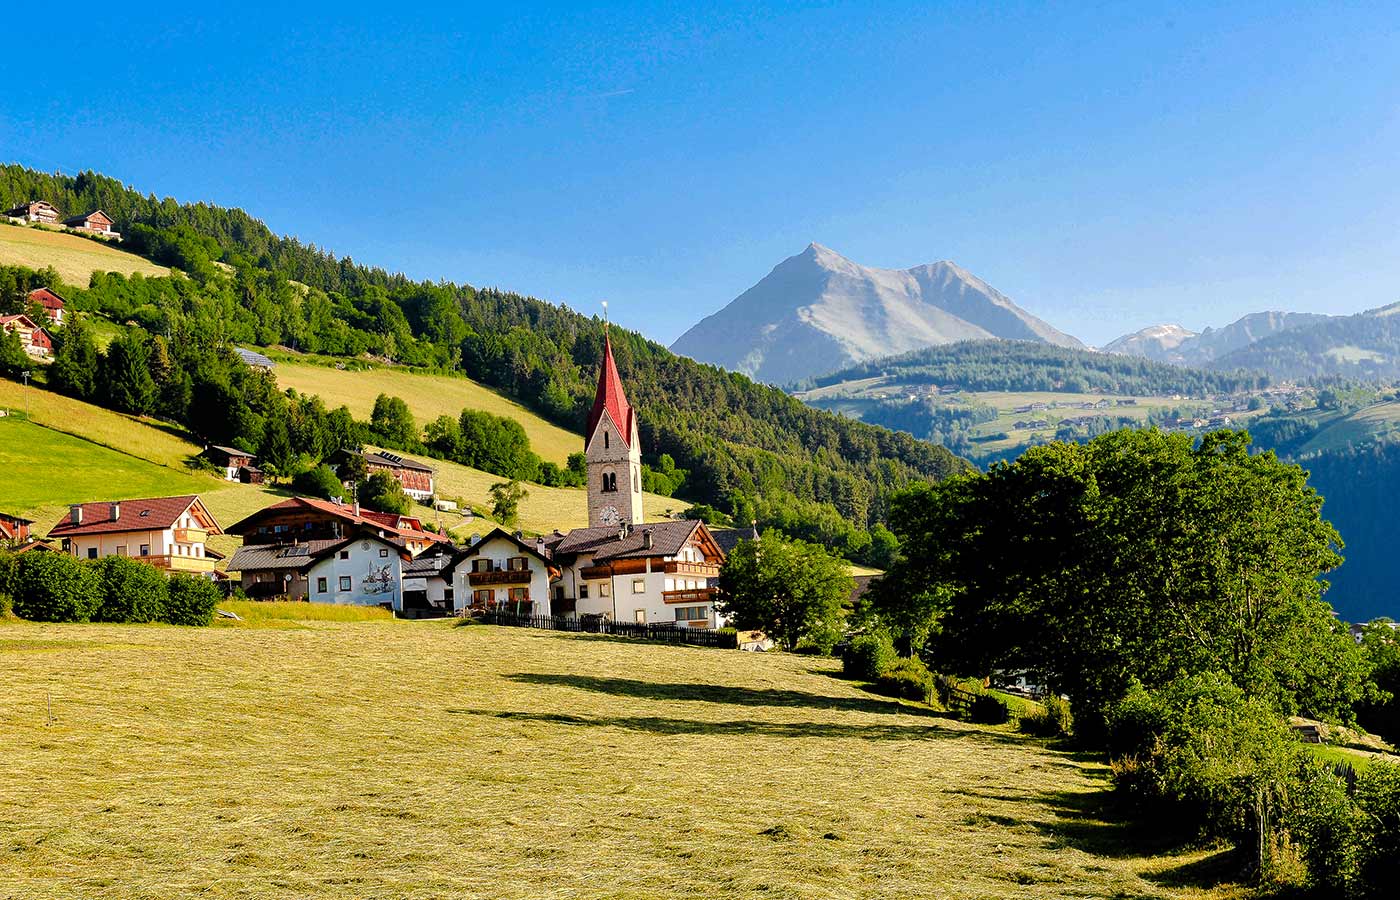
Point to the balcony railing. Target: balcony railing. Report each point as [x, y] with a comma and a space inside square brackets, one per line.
[499, 576]
[695, 595]
[190, 535]
[703, 570]
[595, 572]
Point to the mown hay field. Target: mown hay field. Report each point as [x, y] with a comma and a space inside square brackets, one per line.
[75, 258]
[417, 760]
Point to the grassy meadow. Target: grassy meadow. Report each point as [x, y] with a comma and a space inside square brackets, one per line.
[75, 258]
[417, 760]
[428, 396]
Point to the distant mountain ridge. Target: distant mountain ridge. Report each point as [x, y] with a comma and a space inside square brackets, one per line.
[818, 311]
[1175, 344]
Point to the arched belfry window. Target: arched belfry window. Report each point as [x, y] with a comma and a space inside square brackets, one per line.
[609, 481]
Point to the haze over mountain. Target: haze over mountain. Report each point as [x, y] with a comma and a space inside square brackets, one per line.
[1174, 344]
[818, 311]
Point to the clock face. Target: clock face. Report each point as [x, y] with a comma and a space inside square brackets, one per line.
[610, 516]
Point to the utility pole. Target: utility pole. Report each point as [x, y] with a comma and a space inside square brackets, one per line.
[25, 376]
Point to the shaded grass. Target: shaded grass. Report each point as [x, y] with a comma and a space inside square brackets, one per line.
[75, 258]
[416, 760]
[256, 612]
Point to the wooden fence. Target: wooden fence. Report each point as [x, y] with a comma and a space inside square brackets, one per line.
[663, 633]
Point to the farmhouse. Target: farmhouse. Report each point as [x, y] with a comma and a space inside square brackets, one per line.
[97, 222]
[41, 211]
[51, 303]
[238, 465]
[36, 341]
[415, 477]
[13, 529]
[364, 567]
[428, 589]
[503, 572]
[301, 520]
[167, 532]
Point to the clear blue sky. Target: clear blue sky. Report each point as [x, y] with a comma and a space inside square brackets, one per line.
[1107, 168]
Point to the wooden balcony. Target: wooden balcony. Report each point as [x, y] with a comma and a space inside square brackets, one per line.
[701, 570]
[696, 595]
[499, 576]
[190, 535]
[593, 573]
[179, 563]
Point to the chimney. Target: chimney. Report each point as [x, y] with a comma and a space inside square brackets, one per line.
[75, 514]
[357, 506]
[116, 511]
[646, 539]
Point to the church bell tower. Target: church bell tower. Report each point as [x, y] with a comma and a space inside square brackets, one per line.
[613, 449]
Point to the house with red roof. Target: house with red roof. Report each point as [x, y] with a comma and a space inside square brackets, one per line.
[303, 519]
[51, 303]
[41, 211]
[13, 529]
[37, 342]
[167, 532]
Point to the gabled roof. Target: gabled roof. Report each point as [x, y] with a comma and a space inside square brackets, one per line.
[299, 557]
[370, 518]
[393, 461]
[610, 399]
[525, 546]
[729, 538]
[46, 298]
[84, 217]
[430, 565]
[230, 451]
[150, 514]
[22, 320]
[607, 542]
[6, 517]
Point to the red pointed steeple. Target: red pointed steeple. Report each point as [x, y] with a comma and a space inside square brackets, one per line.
[610, 398]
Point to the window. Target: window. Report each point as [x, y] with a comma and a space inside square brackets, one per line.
[640, 616]
[609, 482]
[583, 592]
[448, 595]
[605, 590]
[121, 549]
[482, 598]
[345, 554]
[606, 442]
[517, 564]
[639, 585]
[345, 584]
[692, 613]
[519, 595]
[320, 585]
[482, 565]
[92, 553]
[383, 551]
[145, 549]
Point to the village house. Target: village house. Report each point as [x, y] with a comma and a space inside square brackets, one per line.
[254, 360]
[414, 477]
[41, 211]
[51, 303]
[428, 588]
[502, 571]
[167, 532]
[96, 222]
[362, 568]
[36, 342]
[237, 465]
[304, 519]
[13, 529]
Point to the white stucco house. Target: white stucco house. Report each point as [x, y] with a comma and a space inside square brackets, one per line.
[502, 572]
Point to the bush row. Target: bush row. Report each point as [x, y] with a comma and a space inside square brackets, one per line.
[55, 587]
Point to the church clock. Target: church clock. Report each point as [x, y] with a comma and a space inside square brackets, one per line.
[609, 516]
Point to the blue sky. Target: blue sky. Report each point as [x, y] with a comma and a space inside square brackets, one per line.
[1106, 167]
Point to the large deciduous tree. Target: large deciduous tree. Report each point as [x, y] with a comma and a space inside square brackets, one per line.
[789, 589]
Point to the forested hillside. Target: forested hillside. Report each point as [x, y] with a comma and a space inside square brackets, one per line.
[749, 450]
[1360, 347]
[1025, 366]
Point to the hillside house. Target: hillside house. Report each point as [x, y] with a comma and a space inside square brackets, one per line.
[167, 532]
[36, 342]
[237, 465]
[95, 222]
[429, 590]
[51, 303]
[13, 529]
[304, 519]
[41, 211]
[416, 478]
[361, 568]
[254, 360]
[502, 571]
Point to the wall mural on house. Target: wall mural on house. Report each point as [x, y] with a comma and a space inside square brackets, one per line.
[378, 581]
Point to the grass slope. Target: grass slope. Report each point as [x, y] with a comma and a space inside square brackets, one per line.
[429, 396]
[417, 760]
[74, 257]
[1374, 422]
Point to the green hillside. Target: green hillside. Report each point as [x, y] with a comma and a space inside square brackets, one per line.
[429, 396]
[408, 759]
[74, 258]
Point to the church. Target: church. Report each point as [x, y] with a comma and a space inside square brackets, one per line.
[621, 567]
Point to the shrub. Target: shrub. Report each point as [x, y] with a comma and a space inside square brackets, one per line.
[191, 600]
[131, 591]
[1327, 826]
[319, 482]
[907, 678]
[1051, 719]
[55, 587]
[946, 686]
[868, 655]
[989, 709]
[1378, 848]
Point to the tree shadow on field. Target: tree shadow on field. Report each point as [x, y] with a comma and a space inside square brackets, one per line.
[722, 693]
[1098, 824]
[662, 725]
